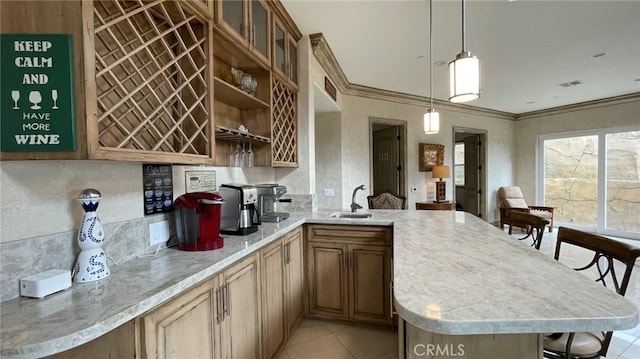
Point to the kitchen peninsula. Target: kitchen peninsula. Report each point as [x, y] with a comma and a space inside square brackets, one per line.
[453, 275]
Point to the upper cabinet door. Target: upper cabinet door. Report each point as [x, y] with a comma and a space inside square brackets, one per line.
[233, 15]
[247, 23]
[293, 60]
[259, 28]
[279, 61]
[285, 58]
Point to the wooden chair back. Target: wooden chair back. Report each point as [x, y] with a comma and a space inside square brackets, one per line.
[606, 254]
[386, 200]
[533, 224]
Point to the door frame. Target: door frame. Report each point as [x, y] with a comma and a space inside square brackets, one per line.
[402, 150]
[484, 214]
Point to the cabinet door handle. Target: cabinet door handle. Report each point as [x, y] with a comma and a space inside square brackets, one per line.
[253, 35]
[227, 302]
[288, 252]
[219, 318]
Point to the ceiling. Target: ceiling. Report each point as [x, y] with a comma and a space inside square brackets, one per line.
[527, 48]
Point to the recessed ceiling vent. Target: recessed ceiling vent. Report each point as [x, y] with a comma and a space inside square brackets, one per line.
[571, 83]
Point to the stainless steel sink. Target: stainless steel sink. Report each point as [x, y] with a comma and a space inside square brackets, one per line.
[350, 215]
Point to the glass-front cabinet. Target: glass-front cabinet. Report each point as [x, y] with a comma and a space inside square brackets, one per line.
[285, 48]
[259, 32]
[248, 22]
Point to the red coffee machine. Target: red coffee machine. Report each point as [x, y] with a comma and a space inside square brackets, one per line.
[198, 221]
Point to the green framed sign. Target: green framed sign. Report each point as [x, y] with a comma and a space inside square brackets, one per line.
[37, 97]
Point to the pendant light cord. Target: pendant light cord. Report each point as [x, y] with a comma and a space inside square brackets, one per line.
[430, 55]
[464, 39]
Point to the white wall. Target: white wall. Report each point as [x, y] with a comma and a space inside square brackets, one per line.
[329, 159]
[355, 147]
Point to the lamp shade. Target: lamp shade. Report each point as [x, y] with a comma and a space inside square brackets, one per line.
[441, 172]
[464, 78]
[431, 121]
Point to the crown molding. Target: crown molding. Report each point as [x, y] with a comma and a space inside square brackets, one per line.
[283, 15]
[327, 60]
[587, 105]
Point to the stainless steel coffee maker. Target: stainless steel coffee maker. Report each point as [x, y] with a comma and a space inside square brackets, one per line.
[239, 212]
[268, 195]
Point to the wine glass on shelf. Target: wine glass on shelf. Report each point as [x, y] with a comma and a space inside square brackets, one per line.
[35, 98]
[250, 156]
[237, 157]
[15, 95]
[232, 158]
[243, 157]
[54, 96]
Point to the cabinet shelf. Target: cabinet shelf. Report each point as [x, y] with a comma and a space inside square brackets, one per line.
[232, 96]
[231, 135]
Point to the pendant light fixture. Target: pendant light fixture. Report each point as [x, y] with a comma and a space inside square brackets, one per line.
[464, 73]
[431, 117]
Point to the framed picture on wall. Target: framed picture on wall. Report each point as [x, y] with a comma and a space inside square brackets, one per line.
[430, 155]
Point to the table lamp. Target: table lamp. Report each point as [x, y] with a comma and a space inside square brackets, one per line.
[441, 186]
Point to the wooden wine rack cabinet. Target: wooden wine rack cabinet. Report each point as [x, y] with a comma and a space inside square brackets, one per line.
[284, 126]
[152, 76]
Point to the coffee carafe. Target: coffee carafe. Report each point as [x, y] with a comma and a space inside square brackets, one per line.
[239, 212]
[268, 195]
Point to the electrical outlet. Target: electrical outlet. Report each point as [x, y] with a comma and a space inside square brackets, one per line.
[328, 192]
[158, 232]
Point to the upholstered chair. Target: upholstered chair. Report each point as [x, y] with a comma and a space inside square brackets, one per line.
[511, 198]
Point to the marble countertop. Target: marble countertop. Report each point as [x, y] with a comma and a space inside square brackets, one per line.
[470, 276]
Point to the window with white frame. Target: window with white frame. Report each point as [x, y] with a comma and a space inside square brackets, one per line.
[593, 179]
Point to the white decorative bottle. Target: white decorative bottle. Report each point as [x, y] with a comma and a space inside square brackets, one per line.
[92, 261]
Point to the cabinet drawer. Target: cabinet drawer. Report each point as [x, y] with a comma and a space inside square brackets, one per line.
[349, 234]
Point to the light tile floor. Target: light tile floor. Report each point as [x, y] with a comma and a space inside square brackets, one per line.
[316, 339]
[319, 339]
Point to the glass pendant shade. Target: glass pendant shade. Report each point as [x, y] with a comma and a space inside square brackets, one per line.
[431, 121]
[464, 77]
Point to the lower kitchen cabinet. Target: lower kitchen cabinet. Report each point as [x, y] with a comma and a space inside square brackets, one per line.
[217, 319]
[282, 291]
[241, 323]
[186, 327]
[349, 273]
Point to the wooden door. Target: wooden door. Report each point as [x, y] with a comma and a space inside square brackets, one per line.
[273, 298]
[472, 175]
[385, 161]
[328, 280]
[294, 272]
[241, 334]
[369, 283]
[183, 328]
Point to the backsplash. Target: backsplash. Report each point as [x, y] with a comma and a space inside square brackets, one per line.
[123, 241]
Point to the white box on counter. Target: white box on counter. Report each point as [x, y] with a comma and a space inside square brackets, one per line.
[45, 283]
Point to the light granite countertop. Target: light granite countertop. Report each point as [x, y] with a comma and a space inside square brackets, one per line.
[472, 278]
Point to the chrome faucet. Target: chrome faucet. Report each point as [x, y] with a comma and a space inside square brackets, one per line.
[354, 205]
